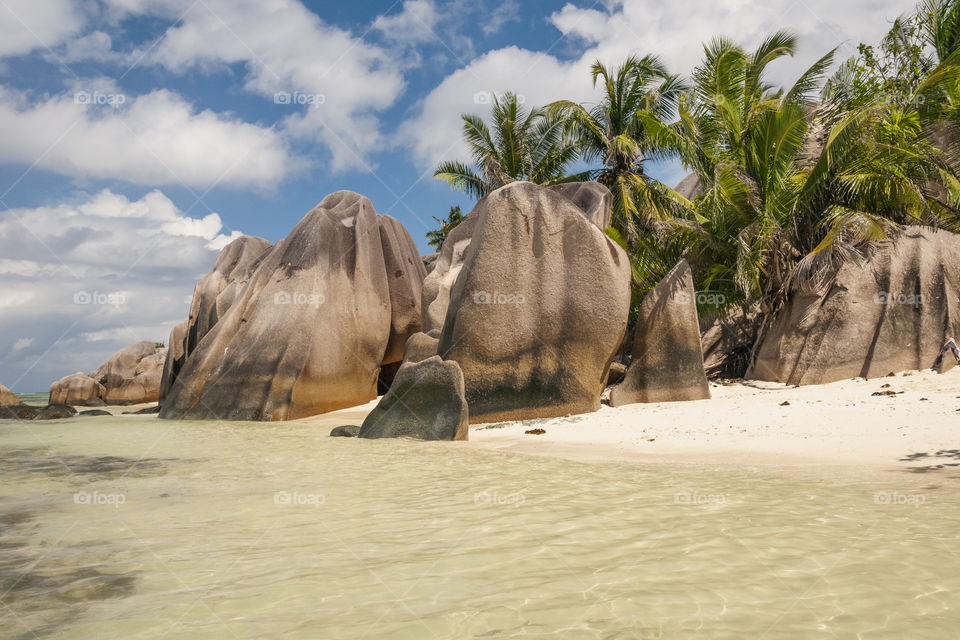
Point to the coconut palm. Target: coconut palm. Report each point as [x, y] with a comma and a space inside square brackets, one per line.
[610, 134]
[519, 144]
[436, 237]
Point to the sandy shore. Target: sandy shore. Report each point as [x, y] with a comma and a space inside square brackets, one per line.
[753, 423]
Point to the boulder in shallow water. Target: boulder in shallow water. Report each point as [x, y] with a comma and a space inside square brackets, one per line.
[8, 397]
[55, 412]
[426, 402]
[313, 325]
[539, 308]
[94, 412]
[892, 313]
[345, 431]
[667, 362]
[132, 375]
[18, 412]
[78, 390]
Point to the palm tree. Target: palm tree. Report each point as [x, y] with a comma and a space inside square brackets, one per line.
[436, 237]
[520, 144]
[610, 133]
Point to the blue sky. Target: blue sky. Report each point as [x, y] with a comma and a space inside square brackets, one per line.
[141, 135]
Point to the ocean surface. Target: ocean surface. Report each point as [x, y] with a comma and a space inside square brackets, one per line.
[131, 527]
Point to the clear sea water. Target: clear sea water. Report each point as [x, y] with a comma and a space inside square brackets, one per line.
[131, 527]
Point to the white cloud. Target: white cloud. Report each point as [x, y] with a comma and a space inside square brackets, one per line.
[414, 23]
[153, 139]
[286, 48]
[26, 25]
[674, 30]
[86, 279]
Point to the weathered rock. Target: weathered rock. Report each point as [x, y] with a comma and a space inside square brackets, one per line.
[616, 374]
[55, 412]
[426, 401]
[594, 199]
[94, 412]
[132, 375]
[8, 397]
[439, 282]
[667, 362]
[419, 347]
[405, 274]
[539, 307]
[430, 261]
[176, 356]
[18, 412]
[146, 411]
[345, 431]
[690, 187]
[313, 325]
[891, 313]
[77, 389]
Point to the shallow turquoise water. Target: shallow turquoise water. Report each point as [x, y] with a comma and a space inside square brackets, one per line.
[138, 528]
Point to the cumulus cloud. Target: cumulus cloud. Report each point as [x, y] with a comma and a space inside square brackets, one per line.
[614, 30]
[153, 139]
[26, 25]
[414, 23]
[80, 281]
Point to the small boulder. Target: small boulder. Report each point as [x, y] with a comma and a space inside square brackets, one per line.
[94, 412]
[426, 401]
[667, 364]
[345, 431]
[419, 347]
[56, 412]
[18, 412]
[78, 390]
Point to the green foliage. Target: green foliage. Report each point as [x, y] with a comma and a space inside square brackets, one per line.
[437, 237]
[519, 144]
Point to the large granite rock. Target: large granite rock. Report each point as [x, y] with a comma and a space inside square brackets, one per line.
[313, 325]
[8, 398]
[426, 402]
[132, 375]
[728, 341]
[690, 187]
[446, 268]
[593, 199]
[889, 314]
[176, 356]
[539, 308]
[78, 390]
[667, 359]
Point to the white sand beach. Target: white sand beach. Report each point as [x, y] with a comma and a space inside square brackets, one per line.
[751, 423]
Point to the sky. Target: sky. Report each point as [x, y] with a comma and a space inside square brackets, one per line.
[137, 137]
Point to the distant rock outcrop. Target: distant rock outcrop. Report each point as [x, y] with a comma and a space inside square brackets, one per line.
[539, 307]
[78, 390]
[426, 402]
[8, 398]
[132, 375]
[889, 314]
[319, 315]
[667, 362]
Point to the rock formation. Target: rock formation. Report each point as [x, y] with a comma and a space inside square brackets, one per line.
[420, 346]
[319, 315]
[8, 398]
[176, 356]
[539, 307]
[446, 268]
[426, 402]
[78, 390]
[667, 362]
[132, 375]
[889, 314]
